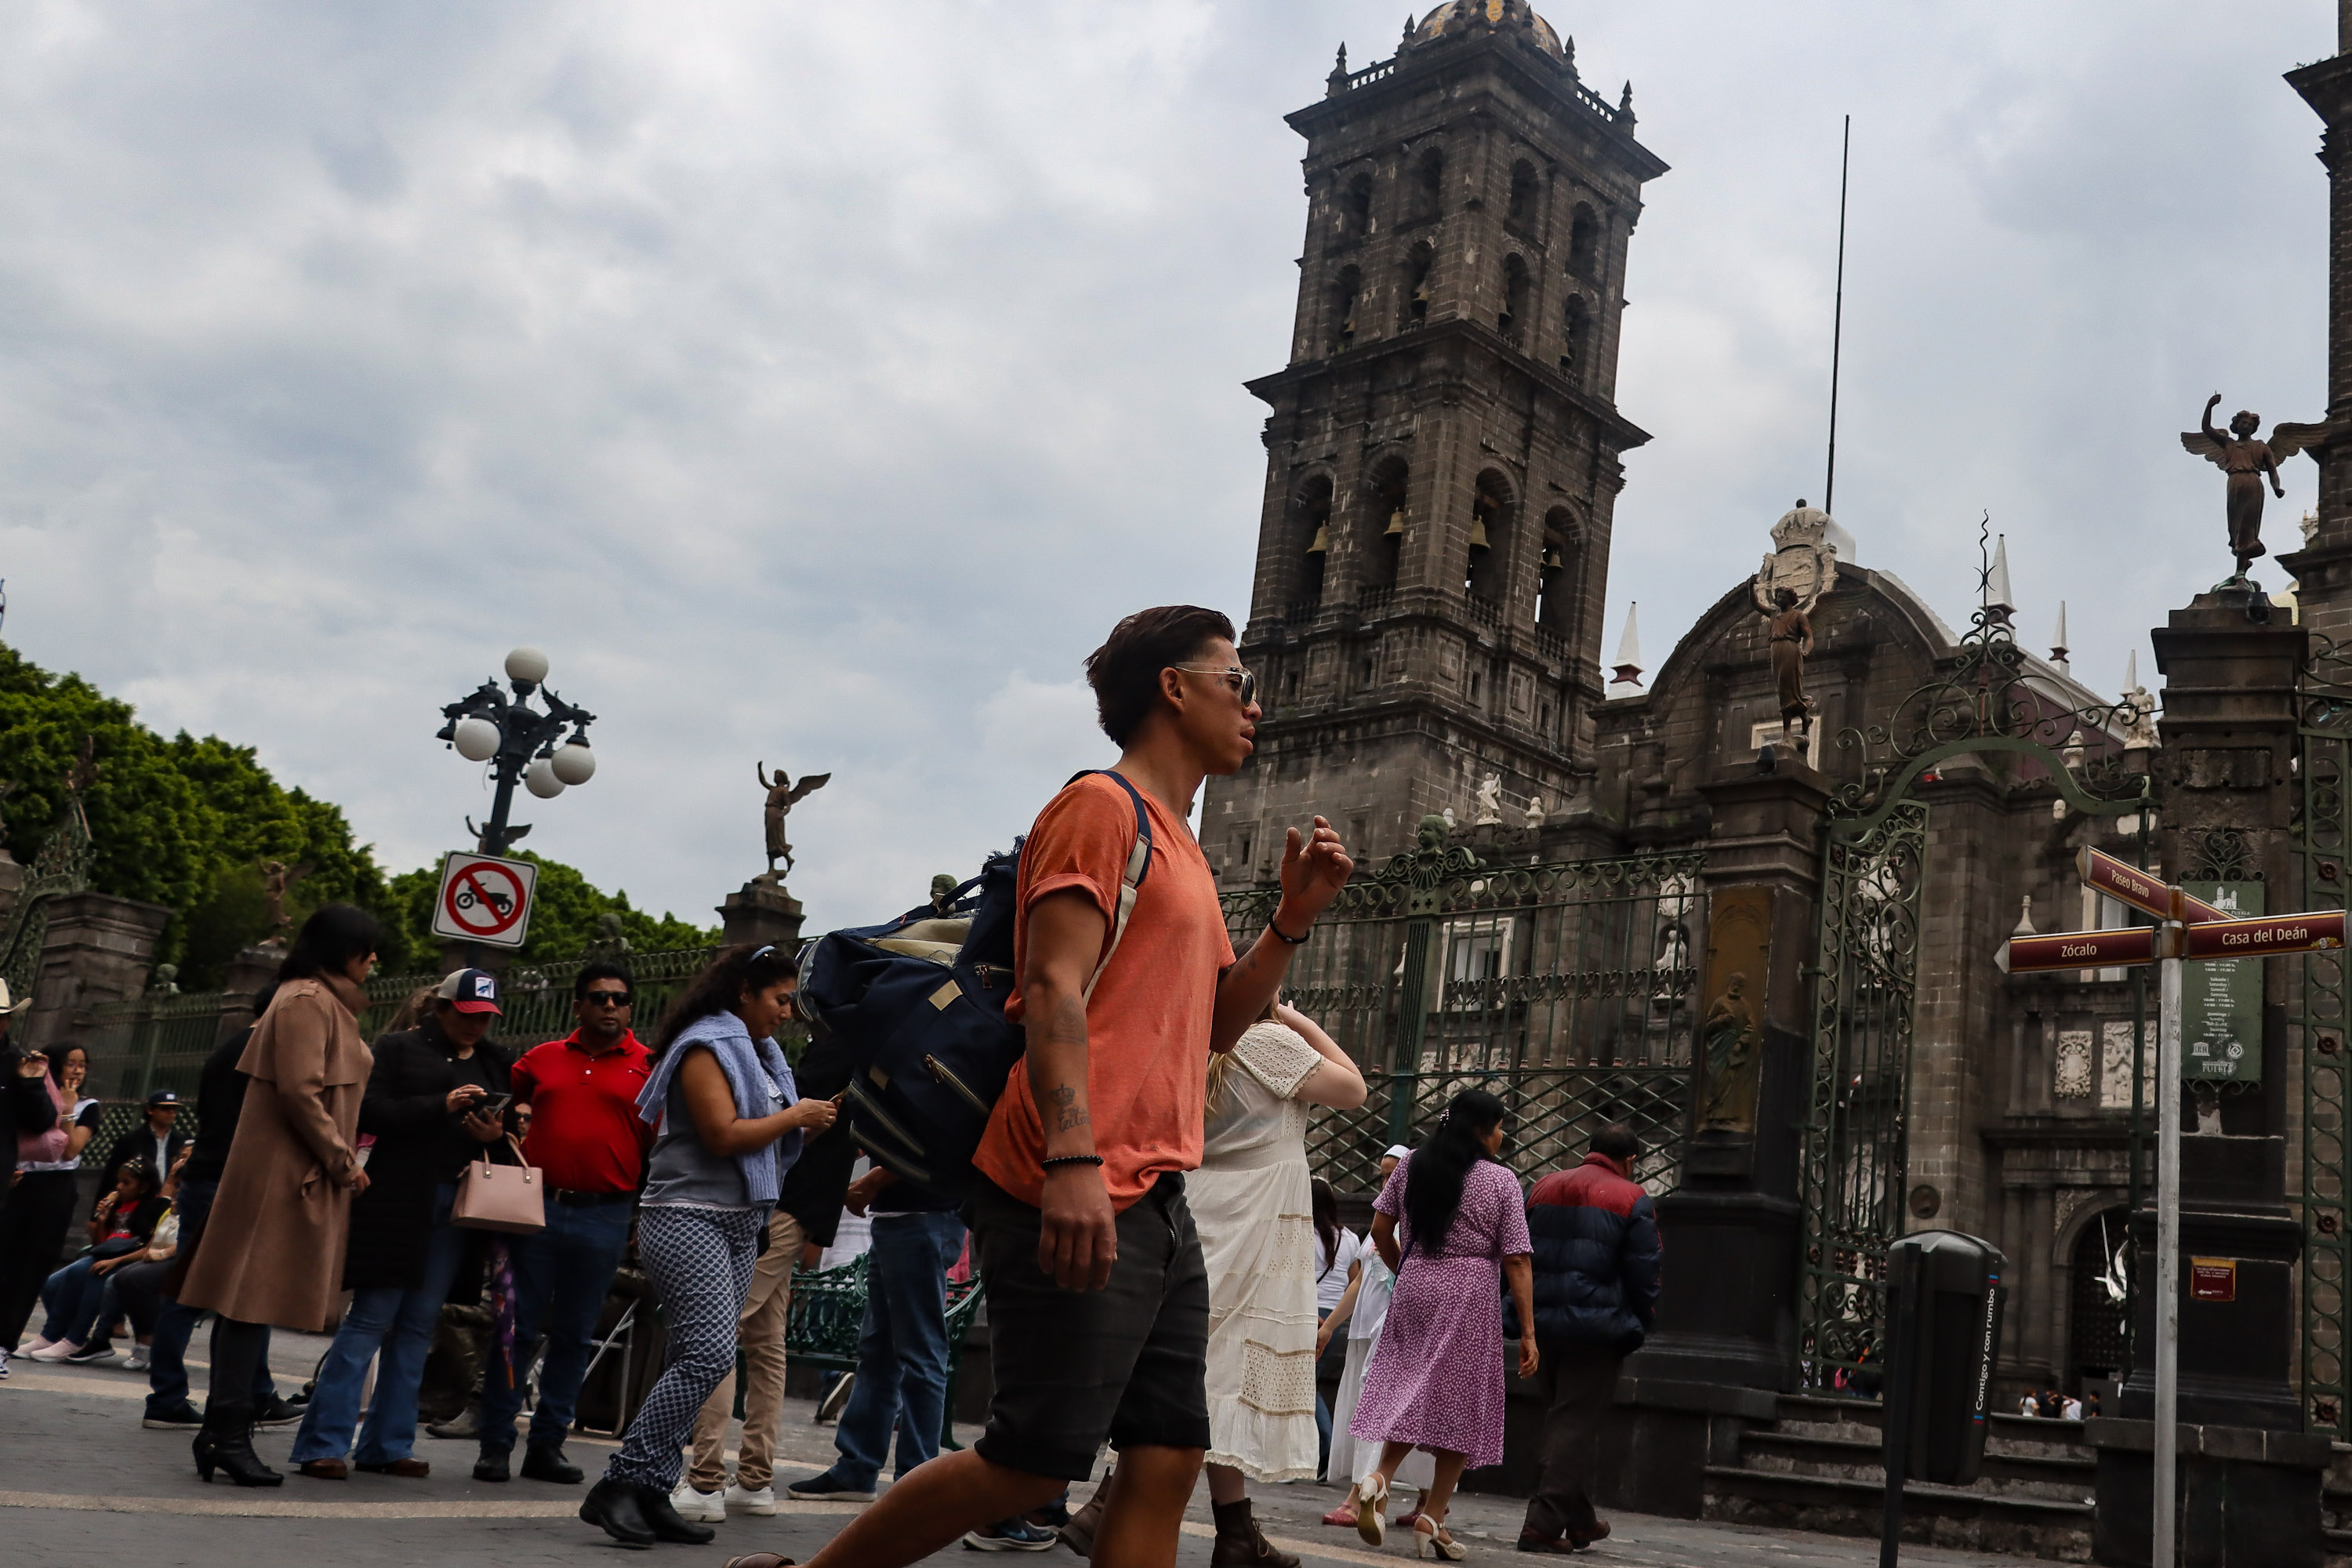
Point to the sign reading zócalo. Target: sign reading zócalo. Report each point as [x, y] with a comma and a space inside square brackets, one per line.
[484, 899]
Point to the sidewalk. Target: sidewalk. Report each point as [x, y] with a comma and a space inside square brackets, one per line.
[81, 1481]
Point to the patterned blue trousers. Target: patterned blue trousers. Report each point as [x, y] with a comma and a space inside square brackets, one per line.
[700, 1263]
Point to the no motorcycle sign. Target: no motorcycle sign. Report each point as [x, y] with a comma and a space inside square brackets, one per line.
[484, 899]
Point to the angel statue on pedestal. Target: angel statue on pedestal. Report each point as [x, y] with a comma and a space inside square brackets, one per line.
[782, 794]
[2247, 462]
[1802, 568]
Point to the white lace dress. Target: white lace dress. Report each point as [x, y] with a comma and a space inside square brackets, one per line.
[1251, 1204]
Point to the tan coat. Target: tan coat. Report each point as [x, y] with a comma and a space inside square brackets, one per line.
[273, 1247]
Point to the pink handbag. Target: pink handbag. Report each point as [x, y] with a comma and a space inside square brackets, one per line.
[510, 1198]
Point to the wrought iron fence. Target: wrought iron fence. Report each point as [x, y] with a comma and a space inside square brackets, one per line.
[2323, 768]
[1564, 987]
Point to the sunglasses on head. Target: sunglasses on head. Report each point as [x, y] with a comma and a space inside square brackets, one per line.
[1243, 682]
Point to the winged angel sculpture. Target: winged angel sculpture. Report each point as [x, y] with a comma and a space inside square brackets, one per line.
[2247, 462]
[782, 794]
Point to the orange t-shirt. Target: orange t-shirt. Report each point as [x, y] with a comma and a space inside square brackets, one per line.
[1147, 1023]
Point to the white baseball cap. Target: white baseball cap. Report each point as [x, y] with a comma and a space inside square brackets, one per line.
[1395, 1152]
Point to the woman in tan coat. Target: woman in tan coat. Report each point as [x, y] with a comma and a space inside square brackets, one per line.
[272, 1250]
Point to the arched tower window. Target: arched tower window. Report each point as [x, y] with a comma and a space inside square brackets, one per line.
[1385, 523]
[1583, 241]
[1413, 291]
[1429, 185]
[1310, 529]
[1573, 331]
[1356, 208]
[1556, 569]
[1511, 320]
[1345, 290]
[1522, 207]
[1487, 574]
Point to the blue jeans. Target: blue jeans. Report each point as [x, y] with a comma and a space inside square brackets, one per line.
[400, 1324]
[167, 1371]
[72, 1296]
[560, 1274]
[902, 1353]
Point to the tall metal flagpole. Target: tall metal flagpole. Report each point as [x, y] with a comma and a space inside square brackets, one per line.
[1837, 317]
[2168, 1237]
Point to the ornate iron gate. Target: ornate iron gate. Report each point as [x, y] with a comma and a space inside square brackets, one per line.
[1565, 987]
[2322, 769]
[1875, 864]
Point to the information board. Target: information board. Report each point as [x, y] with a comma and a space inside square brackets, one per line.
[2221, 998]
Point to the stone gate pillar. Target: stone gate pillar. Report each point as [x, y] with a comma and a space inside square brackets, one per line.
[2249, 1473]
[98, 948]
[1726, 1334]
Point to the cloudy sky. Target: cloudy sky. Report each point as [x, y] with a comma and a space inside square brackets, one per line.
[816, 383]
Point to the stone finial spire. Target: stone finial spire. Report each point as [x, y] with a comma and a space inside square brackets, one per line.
[1625, 104]
[1336, 83]
[1997, 600]
[1629, 655]
[2024, 926]
[2058, 649]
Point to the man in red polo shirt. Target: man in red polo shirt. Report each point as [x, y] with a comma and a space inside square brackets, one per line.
[580, 1094]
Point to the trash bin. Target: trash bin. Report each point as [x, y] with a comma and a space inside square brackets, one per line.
[1943, 1307]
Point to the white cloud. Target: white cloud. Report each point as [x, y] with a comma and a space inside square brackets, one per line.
[818, 383]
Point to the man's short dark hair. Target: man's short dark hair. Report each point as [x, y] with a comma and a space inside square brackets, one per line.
[1617, 1142]
[592, 972]
[1125, 671]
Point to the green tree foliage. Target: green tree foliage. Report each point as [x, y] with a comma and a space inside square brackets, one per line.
[188, 824]
[565, 907]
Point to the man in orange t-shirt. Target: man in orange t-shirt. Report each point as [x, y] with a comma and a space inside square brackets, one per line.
[1098, 1304]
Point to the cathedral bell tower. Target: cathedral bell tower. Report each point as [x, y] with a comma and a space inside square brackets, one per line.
[1443, 448]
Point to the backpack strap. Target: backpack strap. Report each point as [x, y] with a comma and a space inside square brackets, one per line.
[1138, 867]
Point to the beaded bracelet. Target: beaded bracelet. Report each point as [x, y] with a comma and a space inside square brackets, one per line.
[1286, 936]
[1072, 1160]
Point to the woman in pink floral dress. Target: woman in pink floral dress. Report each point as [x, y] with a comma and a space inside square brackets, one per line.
[1435, 1382]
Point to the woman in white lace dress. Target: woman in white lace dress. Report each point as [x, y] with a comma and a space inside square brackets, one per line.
[1251, 1204]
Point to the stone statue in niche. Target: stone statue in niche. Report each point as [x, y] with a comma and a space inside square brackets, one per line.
[1730, 1047]
[2248, 462]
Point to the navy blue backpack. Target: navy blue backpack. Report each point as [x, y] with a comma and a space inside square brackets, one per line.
[919, 1001]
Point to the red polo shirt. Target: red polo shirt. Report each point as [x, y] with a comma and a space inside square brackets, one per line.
[586, 1135]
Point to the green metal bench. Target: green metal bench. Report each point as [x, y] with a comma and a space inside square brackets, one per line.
[828, 1314]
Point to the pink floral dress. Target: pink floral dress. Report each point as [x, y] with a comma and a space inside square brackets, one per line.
[1437, 1378]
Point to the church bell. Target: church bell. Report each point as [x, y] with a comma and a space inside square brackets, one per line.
[1478, 532]
[1322, 540]
[1395, 528]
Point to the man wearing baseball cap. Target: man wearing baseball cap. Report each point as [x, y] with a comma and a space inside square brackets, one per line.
[157, 1142]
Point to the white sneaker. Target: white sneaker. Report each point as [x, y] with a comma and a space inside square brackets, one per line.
[710, 1508]
[762, 1502]
[138, 1362]
[55, 1350]
[35, 1343]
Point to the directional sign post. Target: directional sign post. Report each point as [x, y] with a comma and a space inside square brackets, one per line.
[2190, 928]
[484, 899]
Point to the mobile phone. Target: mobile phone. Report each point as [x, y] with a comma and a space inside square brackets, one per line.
[496, 1106]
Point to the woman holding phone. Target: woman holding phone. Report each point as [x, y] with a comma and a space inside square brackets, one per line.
[728, 1123]
[429, 1106]
[54, 1122]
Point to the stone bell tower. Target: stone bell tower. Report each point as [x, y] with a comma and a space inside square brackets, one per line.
[1441, 453]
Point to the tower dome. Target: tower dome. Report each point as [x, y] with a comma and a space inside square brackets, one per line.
[1460, 14]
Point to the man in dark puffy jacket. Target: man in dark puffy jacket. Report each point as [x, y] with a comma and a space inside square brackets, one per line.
[1596, 1268]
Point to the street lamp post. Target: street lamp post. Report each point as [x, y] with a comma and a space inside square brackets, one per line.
[519, 742]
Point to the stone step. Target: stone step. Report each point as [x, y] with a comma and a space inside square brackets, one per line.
[2056, 1478]
[1954, 1517]
[1812, 1415]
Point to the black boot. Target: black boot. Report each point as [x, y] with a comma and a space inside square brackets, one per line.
[666, 1521]
[548, 1463]
[226, 1443]
[1239, 1543]
[492, 1465]
[614, 1507]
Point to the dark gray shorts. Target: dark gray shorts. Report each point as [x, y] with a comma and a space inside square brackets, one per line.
[1127, 1363]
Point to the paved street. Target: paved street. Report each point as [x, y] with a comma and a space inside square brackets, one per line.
[82, 1482]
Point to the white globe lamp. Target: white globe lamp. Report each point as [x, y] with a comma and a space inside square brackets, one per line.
[527, 666]
[540, 779]
[477, 740]
[573, 763]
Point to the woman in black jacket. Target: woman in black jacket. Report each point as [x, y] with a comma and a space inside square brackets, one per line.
[432, 1105]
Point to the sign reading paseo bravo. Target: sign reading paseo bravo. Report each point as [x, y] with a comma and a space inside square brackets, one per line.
[484, 899]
